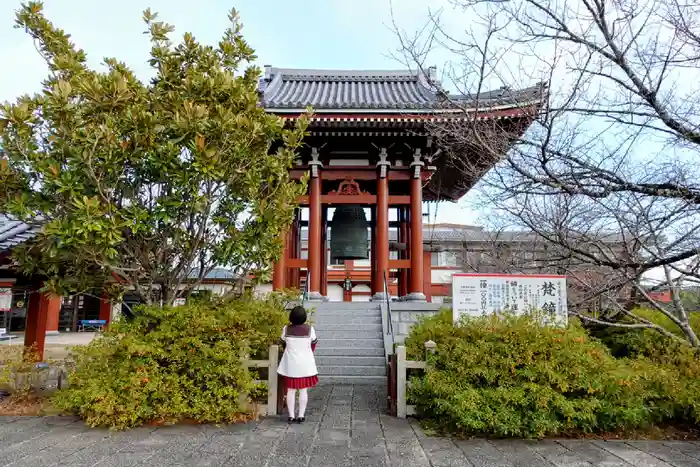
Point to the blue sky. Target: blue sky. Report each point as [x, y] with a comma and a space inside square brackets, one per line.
[341, 34]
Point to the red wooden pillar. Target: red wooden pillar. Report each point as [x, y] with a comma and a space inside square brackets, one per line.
[315, 242]
[416, 282]
[279, 273]
[427, 275]
[297, 249]
[373, 279]
[324, 251]
[42, 312]
[381, 265]
[407, 213]
[293, 274]
[53, 311]
[403, 254]
[105, 309]
[289, 253]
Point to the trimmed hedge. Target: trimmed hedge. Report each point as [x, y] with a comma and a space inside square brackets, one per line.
[510, 377]
[647, 343]
[173, 364]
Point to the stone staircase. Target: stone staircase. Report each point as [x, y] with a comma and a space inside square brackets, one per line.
[350, 342]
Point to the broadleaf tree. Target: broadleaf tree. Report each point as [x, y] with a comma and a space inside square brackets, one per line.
[146, 185]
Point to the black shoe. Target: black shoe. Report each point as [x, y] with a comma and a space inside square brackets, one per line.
[291, 420]
[300, 420]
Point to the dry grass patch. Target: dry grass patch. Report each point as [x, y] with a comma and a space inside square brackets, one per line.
[27, 406]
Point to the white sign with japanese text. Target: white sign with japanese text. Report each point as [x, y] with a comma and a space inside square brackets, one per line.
[482, 294]
[5, 299]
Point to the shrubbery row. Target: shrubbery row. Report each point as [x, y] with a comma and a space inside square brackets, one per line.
[512, 377]
[173, 364]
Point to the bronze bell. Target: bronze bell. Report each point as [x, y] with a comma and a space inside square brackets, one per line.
[349, 233]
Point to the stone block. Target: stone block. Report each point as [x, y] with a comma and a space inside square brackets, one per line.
[413, 316]
[404, 328]
[400, 338]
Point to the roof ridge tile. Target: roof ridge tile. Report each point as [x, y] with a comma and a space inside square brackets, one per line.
[388, 89]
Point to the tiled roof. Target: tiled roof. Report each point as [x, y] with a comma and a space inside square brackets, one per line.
[292, 89]
[14, 232]
[215, 274]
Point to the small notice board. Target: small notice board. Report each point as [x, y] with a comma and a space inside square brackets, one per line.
[483, 294]
[5, 299]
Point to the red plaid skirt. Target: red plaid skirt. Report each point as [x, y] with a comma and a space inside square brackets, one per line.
[300, 383]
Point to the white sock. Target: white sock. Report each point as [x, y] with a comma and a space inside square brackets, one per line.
[290, 401]
[303, 400]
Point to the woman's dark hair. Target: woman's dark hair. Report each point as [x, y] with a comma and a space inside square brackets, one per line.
[297, 315]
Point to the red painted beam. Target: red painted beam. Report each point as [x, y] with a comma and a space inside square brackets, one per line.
[340, 173]
[399, 263]
[297, 263]
[394, 200]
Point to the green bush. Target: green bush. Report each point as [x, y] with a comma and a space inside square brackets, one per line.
[650, 344]
[512, 377]
[173, 364]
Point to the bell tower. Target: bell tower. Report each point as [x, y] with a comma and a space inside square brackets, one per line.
[372, 164]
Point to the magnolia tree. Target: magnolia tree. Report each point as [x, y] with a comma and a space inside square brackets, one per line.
[146, 185]
[611, 151]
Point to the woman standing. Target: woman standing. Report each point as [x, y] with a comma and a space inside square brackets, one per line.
[298, 365]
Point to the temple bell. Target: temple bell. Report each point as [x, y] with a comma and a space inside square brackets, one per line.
[349, 233]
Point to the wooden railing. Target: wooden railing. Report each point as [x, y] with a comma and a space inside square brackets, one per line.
[387, 322]
[271, 364]
[402, 365]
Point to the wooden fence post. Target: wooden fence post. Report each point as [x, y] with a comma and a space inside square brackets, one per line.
[243, 396]
[401, 381]
[430, 348]
[272, 380]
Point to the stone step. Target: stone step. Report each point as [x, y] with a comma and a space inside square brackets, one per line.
[358, 370]
[355, 313]
[348, 361]
[324, 326]
[350, 342]
[346, 319]
[355, 380]
[350, 351]
[344, 305]
[349, 334]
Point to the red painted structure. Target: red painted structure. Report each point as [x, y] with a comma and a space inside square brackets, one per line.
[370, 144]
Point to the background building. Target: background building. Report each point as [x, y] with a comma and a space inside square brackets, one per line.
[18, 292]
[455, 248]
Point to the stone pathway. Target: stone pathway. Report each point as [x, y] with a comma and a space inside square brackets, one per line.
[346, 426]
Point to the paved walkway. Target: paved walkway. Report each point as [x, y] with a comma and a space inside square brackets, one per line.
[56, 347]
[64, 338]
[345, 427]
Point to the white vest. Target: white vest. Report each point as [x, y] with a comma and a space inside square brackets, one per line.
[298, 358]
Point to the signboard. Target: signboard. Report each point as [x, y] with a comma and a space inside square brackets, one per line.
[5, 299]
[3, 331]
[179, 301]
[483, 294]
